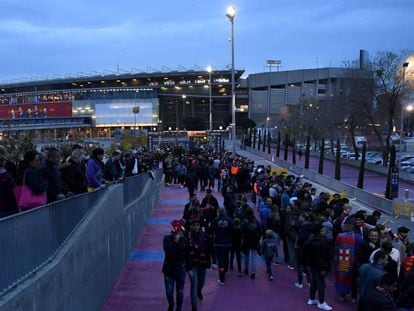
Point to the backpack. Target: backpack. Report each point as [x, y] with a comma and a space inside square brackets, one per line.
[254, 228]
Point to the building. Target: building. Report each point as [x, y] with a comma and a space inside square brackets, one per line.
[96, 106]
[272, 92]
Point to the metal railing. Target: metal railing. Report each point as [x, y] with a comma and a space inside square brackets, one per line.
[133, 186]
[30, 239]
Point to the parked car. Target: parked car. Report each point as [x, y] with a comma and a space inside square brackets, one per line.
[409, 162]
[405, 158]
[376, 161]
[408, 169]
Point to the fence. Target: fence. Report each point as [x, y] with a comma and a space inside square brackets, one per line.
[30, 240]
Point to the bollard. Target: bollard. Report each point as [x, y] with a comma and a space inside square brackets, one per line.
[407, 193]
[412, 216]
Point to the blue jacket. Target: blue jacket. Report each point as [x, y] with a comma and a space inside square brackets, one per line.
[264, 212]
[370, 276]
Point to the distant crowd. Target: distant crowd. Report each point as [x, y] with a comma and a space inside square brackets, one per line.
[56, 177]
[321, 234]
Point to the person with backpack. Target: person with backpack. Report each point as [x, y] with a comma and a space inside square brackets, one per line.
[251, 234]
[269, 248]
[236, 246]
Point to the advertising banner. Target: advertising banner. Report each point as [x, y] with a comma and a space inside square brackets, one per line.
[39, 110]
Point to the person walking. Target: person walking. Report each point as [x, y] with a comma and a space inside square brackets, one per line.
[251, 234]
[199, 247]
[316, 256]
[222, 228]
[176, 263]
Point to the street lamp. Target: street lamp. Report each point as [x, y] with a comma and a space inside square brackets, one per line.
[135, 111]
[231, 12]
[210, 105]
[404, 66]
[176, 118]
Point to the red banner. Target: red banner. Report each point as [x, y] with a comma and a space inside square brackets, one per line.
[43, 110]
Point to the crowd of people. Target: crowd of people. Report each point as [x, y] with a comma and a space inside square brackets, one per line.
[280, 217]
[58, 176]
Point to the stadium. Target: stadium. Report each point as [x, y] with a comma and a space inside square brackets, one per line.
[98, 105]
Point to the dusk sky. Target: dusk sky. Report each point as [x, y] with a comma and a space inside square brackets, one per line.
[44, 37]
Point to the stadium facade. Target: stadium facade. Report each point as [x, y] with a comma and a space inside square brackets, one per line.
[95, 106]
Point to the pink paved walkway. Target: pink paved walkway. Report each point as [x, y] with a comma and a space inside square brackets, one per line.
[140, 285]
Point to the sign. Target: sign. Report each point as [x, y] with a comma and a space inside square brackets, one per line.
[403, 208]
[38, 110]
[395, 177]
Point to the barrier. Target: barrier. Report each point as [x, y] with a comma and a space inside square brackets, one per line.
[81, 272]
[403, 208]
[30, 239]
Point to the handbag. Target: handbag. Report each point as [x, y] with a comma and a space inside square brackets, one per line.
[26, 199]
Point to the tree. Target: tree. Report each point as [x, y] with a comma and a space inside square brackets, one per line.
[278, 145]
[307, 152]
[321, 156]
[285, 154]
[362, 168]
[294, 151]
[338, 161]
[375, 96]
[254, 138]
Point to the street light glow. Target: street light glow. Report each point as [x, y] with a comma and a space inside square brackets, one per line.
[409, 108]
[209, 69]
[231, 12]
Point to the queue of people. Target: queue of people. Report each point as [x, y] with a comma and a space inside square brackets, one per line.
[48, 176]
[270, 214]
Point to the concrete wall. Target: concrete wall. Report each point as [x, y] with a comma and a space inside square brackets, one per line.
[365, 197]
[84, 272]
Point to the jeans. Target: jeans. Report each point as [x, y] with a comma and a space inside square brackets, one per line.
[291, 250]
[269, 265]
[178, 281]
[317, 284]
[197, 283]
[276, 237]
[223, 260]
[250, 253]
[238, 259]
[300, 268]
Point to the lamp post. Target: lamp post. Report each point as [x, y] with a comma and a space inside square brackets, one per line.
[404, 66]
[183, 97]
[135, 111]
[231, 12]
[210, 105]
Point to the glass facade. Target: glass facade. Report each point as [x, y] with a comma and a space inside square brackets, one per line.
[118, 112]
